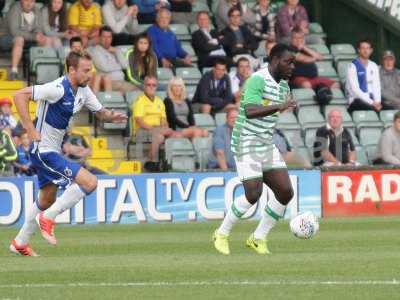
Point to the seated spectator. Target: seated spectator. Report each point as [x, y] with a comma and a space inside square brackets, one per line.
[6, 118]
[24, 30]
[305, 73]
[221, 156]
[291, 158]
[55, 23]
[238, 77]
[238, 41]
[214, 90]
[142, 61]
[179, 110]
[390, 81]
[168, 49]
[8, 153]
[264, 27]
[108, 62]
[84, 20]
[122, 20]
[205, 41]
[98, 81]
[290, 16]
[23, 164]
[334, 145]
[149, 118]
[363, 85]
[148, 10]
[388, 152]
[222, 18]
[181, 11]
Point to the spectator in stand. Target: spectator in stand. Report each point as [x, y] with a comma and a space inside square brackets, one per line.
[24, 31]
[290, 16]
[98, 81]
[182, 11]
[122, 20]
[84, 20]
[264, 27]
[238, 41]
[148, 9]
[6, 118]
[291, 158]
[390, 81]
[179, 110]
[334, 145]
[362, 81]
[222, 15]
[8, 153]
[214, 90]
[149, 118]
[23, 164]
[55, 23]
[238, 77]
[109, 60]
[142, 61]
[168, 49]
[305, 73]
[205, 41]
[221, 156]
[388, 151]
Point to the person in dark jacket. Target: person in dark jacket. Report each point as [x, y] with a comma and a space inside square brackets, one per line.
[205, 41]
[237, 39]
[179, 110]
[214, 90]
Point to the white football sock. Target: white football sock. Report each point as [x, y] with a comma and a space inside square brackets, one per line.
[236, 211]
[71, 196]
[29, 226]
[274, 210]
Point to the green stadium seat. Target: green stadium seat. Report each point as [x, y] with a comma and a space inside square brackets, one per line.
[354, 137]
[183, 164]
[164, 75]
[294, 137]
[181, 31]
[116, 126]
[371, 152]
[304, 96]
[111, 99]
[131, 97]
[162, 94]
[220, 118]
[189, 49]
[325, 69]
[369, 135]
[342, 67]
[178, 147]
[310, 117]
[323, 50]
[287, 120]
[366, 118]
[361, 156]
[315, 28]
[204, 121]
[386, 117]
[202, 147]
[200, 6]
[190, 90]
[260, 52]
[338, 97]
[189, 75]
[144, 27]
[304, 152]
[310, 135]
[339, 49]
[47, 70]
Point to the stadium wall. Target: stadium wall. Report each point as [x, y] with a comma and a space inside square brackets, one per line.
[168, 197]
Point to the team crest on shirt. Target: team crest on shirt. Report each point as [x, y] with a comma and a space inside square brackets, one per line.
[265, 102]
[68, 172]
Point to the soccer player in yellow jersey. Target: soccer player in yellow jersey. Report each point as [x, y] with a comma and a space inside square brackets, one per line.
[266, 94]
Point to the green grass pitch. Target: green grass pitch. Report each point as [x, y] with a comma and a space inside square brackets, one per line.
[348, 259]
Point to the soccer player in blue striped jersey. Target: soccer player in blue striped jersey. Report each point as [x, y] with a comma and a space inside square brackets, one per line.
[58, 101]
[266, 94]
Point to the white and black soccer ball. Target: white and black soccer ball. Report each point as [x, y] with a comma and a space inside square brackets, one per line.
[304, 225]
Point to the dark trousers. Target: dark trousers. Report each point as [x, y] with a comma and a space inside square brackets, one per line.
[146, 18]
[358, 104]
[123, 39]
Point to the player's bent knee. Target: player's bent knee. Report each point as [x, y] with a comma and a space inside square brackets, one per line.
[253, 195]
[286, 195]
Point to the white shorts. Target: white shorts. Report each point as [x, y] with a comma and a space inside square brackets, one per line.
[251, 166]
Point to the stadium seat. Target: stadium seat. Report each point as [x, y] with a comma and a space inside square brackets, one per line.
[354, 137]
[310, 117]
[366, 118]
[361, 156]
[304, 152]
[189, 75]
[181, 31]
[131, 97]
[338, 97]
[187, 46]
[190, 90]
[304, 96]
[323, 50]
[202, 147]
[310, 135]
[111, 99]
[325, 69]
[294, 137]
[183, 164]
[220, 118]
[144, 27]
[369, 136]
[386, 117]
[204, 121]
[164, 75]
[199, 6]
[127, 168]
[117, 126]
[339, 49]
[342, 67]
[162, 94]
[287, 120]
[62, 53]
[260, 52]
[178, 147]
[44, 63]
[371, 152]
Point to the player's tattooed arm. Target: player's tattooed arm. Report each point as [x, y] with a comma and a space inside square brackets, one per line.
[111, 116]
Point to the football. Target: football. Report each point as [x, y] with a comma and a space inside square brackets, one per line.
[304, 225]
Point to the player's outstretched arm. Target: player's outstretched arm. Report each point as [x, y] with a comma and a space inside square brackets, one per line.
[21, 100]
[111, 116]
[254, 111]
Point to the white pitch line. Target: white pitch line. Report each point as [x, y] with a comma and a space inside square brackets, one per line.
[199, 283]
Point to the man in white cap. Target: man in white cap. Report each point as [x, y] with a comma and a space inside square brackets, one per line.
[390, 81]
